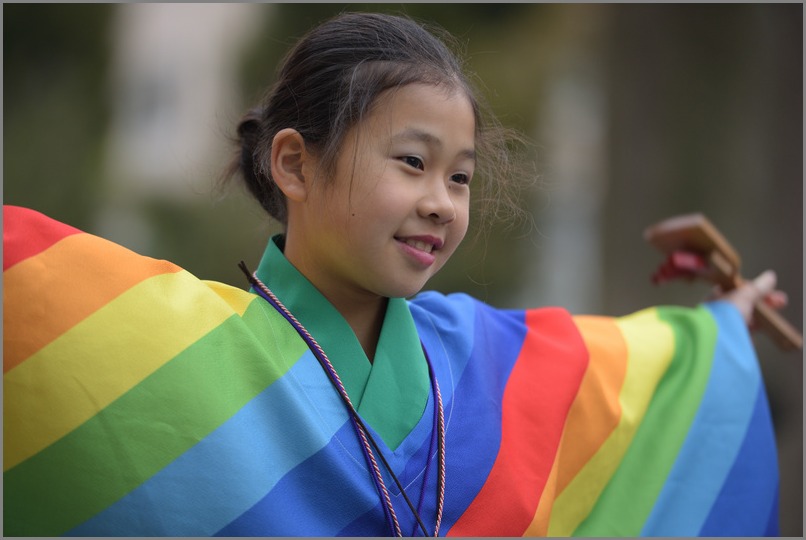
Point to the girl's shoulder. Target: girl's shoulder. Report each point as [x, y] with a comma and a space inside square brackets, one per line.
[459, 305]
[461, 313]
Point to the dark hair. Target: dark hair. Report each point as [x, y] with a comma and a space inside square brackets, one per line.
[329, 81]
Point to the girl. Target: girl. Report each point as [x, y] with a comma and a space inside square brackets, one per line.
[142, 401]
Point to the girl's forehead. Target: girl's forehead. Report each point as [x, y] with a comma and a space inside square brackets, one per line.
[416, 117]
[419, 101]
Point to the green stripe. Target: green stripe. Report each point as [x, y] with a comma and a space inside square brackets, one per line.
[627, 501]
[149, 426]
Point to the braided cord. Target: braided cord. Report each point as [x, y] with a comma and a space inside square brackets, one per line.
[441, 446]
[320, 355]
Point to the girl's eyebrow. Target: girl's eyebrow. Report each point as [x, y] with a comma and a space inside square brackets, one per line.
[418, 135]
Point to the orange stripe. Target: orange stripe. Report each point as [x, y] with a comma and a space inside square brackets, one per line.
[536, 401]
[596, 411]
[84, 271]
[540, 523]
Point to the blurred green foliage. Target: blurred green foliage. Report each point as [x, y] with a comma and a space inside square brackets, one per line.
[55, 107]
[703, 111]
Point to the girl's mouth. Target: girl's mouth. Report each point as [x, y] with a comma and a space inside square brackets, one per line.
[419, 244]
[420, 248]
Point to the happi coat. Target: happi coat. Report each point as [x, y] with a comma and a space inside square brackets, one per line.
[140, 400]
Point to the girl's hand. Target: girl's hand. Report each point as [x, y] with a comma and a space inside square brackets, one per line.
[757, 300]
[745, 296]
[690, 265]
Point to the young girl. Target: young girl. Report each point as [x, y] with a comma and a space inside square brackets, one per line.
[140, 400]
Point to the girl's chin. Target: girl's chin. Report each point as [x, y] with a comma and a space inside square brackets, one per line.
[406, 290]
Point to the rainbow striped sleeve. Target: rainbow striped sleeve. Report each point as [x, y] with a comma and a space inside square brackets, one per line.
[701, 459]
[654, 424]
[88, 417]
[141, 401]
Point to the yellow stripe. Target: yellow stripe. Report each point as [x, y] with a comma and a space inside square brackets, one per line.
[650, 344]
[237, 299]
[82, 371]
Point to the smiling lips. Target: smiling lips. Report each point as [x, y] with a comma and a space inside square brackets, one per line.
[419, 244]
[420, 248]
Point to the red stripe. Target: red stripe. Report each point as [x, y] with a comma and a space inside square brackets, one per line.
[537, 398]
[27, 232]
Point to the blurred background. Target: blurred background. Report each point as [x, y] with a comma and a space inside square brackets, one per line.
[117, 119]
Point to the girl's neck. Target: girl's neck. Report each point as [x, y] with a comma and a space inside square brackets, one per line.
[364, 314]
[366, 320]
[363, 311]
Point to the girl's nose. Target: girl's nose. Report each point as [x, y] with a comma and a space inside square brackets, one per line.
[437, 203]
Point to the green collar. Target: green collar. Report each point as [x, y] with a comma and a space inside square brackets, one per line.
[390, 393]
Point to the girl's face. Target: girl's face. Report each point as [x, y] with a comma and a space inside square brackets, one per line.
[398, 206]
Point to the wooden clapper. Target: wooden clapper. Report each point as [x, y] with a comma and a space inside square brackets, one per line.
[680, 236]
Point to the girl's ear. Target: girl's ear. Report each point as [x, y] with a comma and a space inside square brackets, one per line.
[291, 164]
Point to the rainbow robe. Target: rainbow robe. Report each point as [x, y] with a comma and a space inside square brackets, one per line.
[140, 400]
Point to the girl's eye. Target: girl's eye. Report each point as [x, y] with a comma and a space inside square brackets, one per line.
[413, 161]
[461, 178]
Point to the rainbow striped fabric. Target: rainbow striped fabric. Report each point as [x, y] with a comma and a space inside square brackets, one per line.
[142, 401]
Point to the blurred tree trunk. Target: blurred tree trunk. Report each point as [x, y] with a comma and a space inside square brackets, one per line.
[706, 108]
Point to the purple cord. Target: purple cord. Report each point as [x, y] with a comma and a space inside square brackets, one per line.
[324, 365]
